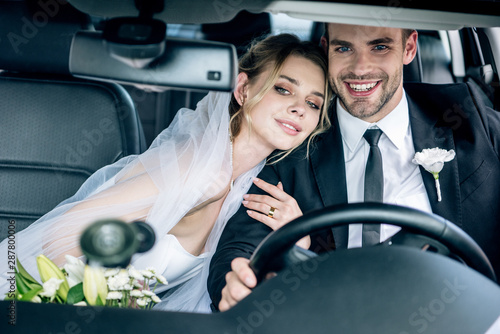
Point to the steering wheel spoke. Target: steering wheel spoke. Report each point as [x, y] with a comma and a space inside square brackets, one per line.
[426, 244]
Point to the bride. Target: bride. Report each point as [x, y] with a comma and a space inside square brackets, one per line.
[193, 177]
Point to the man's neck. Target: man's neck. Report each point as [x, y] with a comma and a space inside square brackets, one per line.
[388, 107]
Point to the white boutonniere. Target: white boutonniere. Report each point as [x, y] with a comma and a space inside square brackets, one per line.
[433, 159]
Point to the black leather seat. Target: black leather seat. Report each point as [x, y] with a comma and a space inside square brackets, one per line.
[431, 64]
[55, 130]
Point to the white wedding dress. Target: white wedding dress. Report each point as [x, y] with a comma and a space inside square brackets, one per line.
[187, 164]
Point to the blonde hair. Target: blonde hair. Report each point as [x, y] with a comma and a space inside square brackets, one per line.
[274, 50]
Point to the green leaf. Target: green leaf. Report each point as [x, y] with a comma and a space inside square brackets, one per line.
[21, 285]
[25, 274]
[75, 294]
[99, 302]
[24, 285]
[28, 296]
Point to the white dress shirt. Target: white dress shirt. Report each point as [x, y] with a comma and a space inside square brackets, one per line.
[403, 184]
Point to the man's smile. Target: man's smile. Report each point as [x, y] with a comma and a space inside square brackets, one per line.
[362, 88]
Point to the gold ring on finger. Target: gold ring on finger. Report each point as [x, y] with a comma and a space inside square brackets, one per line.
[270, 214]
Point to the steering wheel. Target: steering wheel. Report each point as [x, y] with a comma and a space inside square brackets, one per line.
[278, 250]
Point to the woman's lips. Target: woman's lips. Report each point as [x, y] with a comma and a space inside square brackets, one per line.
[289, 127]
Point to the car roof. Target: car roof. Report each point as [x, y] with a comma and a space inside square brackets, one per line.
[393, 13]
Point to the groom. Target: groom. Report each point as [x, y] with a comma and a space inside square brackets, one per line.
[365, 67]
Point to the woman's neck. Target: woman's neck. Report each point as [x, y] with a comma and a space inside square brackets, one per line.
[247, 153]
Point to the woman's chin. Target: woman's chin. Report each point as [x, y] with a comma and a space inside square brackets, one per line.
[285, 146]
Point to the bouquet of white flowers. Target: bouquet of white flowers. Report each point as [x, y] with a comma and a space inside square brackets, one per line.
[80, 284]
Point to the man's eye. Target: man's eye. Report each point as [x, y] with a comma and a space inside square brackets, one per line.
[343, 49]
[381, 47]
[281, 90]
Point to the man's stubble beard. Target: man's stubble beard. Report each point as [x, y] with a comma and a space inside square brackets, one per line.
[361, 108]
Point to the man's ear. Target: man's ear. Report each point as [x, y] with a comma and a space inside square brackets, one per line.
[324, 44]
[410, 48]
[240, 92]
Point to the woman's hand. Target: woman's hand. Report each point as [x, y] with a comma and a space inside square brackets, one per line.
[275, 210]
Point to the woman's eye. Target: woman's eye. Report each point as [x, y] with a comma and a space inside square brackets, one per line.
[312, 105]
[281, 90]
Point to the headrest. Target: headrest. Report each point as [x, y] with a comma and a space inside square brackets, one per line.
[35, 36]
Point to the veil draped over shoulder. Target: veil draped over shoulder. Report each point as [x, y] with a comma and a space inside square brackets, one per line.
[188, 163]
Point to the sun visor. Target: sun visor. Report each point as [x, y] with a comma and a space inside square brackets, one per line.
[178, 63]
[35, 37]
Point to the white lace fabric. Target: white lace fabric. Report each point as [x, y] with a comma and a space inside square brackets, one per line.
[187, 164]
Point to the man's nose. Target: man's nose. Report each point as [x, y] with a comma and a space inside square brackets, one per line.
[361, 64]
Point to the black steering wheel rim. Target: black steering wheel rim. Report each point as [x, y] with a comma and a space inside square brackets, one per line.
[281, 242]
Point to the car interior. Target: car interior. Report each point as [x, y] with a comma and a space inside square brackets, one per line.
[57, 128]
[40, 54]
[70, 127]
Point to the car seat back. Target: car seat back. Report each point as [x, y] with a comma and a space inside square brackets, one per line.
[55, 130]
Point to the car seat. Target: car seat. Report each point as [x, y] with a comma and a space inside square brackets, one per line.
[55, 130]
[431, 64]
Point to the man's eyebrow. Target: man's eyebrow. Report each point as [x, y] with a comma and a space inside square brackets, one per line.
[296, 83]
[340, 42]
[383, 40]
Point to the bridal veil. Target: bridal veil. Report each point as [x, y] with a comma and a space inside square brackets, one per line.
[188, 163]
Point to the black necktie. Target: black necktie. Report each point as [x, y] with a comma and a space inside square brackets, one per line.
[374, 184]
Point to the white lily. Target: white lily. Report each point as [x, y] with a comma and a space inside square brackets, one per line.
[75, 268]
[47, 270]
[94, 285]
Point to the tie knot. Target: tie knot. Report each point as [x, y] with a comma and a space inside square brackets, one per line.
[372, 136]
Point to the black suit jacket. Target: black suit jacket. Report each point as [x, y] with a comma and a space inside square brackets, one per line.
[445, 116]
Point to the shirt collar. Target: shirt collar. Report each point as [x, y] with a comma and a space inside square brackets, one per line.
[394, 125]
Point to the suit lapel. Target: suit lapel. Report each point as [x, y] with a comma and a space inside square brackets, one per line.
[428, 134]
[329, 171]
[328, 166]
